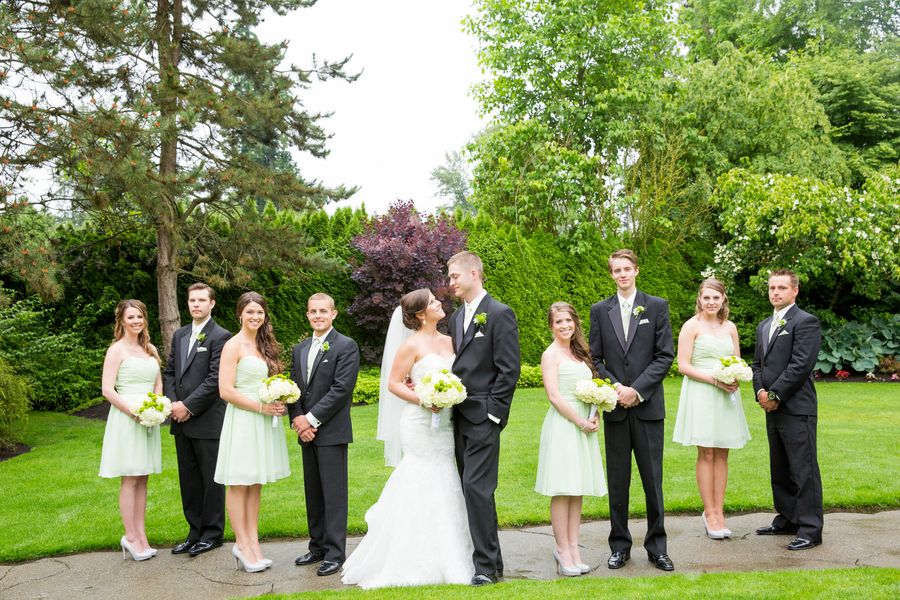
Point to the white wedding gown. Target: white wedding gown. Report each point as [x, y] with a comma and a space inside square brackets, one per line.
[418, 530]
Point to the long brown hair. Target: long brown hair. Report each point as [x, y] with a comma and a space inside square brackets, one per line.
[714, 284]
[144, 335]
[577, 344]
[266, 343]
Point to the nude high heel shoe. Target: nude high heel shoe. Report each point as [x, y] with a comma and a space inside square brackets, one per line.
[241, 562]
[564, 570]
[135, 555]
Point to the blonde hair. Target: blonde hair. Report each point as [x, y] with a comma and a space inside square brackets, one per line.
[468, 260]
[625, 253]
[318, 296]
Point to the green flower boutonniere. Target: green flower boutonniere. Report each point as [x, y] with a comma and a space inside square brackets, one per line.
[325, 347]
[781, 323]
[638, 311]
[480, 319]
[201, 337]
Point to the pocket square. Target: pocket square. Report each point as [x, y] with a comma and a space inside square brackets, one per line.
[644, 321]
[784, 333]
[202, 349]
[478, 334]
[324, 360]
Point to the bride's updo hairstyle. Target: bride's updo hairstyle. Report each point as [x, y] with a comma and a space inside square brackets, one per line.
[411, 305]
[716, 285]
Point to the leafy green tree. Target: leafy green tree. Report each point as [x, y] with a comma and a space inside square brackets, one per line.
[134, 110]
[454, 181]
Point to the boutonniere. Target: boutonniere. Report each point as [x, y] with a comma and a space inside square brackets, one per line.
[638, 311]
[201, 337]
[480, 319]
[325, 347]
[781, 323]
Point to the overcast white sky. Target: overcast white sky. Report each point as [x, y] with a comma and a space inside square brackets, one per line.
[411, 104]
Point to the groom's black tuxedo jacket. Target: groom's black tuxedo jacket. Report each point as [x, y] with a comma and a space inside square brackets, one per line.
[329, 393]
[643, 361]
[785, 364]
[487, 360]
[193, 378]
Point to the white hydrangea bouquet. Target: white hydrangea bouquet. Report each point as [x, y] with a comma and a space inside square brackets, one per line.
[442, 389]
[732, 369]
[599, 393]
[278, 388]
[152, 410]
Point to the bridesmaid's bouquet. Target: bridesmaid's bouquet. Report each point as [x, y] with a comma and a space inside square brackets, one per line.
[153, 410]
[278, 388]
[440, 388]
[732, 369]
[599, 393]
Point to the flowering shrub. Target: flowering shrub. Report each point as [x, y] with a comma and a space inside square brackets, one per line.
[842, 375]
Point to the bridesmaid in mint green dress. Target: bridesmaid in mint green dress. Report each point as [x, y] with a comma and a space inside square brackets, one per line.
[130, 450]
[710, 415]
[251, 451]
[569, 463]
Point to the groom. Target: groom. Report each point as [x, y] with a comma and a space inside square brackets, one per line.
[631, 345]
[486, 339]
[191, 382]
[324, 367]
[787, 344]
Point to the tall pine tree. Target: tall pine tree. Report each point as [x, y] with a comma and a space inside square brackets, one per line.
[143, 114]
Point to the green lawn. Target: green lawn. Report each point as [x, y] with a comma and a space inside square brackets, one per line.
[869, 583]
[54, 503]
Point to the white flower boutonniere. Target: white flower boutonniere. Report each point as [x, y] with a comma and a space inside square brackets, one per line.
[480, 319]
[638, 311]
[325, 347]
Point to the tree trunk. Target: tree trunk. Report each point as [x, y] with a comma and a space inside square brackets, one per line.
[166, 285]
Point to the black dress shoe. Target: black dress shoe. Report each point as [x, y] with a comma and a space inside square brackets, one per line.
[183, 547]
[328, 567]
[310, 558]
[204, 546]
[481, 579]
[661, 562]
[772, 530]
[802, 544]
[617, 559]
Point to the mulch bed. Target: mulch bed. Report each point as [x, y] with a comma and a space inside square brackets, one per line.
[7, 452]
[98, 411]
[856, 379]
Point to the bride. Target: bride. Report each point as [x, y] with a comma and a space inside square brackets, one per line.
[418, 532]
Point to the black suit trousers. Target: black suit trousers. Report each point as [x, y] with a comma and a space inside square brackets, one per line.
[794, 467]
[325, 486]
[202, 499]
[645, 439]
[478, 458]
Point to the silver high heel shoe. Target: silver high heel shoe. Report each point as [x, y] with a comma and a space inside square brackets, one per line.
[135, 555]
[241, 562]
[715, 534]
[564, 570]
[585, 569]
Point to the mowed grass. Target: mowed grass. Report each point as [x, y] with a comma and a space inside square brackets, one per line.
[869, 583]
[54, 503]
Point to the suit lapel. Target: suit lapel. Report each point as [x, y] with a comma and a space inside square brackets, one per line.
[470, 332]
[787, 317]
[189, 355]
[183, 345]
[639, 300]
[304, 359]
[615, 317]
[459, 316]
[320, 355]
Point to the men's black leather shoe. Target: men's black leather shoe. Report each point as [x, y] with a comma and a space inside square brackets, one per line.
[481, 579]
[772, 530]
[661, 562]
[204, 546]
[328, 567]
[802, 544]
[617, 560]
[183, 547]
[310, 558]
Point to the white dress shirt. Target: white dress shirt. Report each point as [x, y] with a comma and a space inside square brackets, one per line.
[195, 331]
[776, 317]
[469, 309]
[315, 347]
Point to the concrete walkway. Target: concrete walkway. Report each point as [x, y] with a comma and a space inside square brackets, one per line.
[851, 540]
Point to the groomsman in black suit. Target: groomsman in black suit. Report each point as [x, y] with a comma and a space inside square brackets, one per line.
[325, 367]
[631, 344]
[191, 382]
[787, 344]
[485, 336]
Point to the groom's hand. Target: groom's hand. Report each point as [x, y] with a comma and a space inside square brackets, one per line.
[627, 396]
[305, 431]
[180, 412]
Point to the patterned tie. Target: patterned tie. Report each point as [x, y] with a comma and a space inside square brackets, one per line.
[626, 317]
[194, 333]
[774, 325]
[313, 350]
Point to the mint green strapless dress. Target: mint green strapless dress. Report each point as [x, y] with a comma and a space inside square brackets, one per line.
[569, 462]
[129, 448]
[707, 415]
[251, 451]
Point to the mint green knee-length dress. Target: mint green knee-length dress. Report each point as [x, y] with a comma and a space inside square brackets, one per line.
[251, 451]
[569, 462]
[129, 448]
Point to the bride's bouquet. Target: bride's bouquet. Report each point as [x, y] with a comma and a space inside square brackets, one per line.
[440, 388]
[278, 388]
[732, 369]
[153, 410]
[599, 393]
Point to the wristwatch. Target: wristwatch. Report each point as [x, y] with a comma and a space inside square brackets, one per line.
[773, 397]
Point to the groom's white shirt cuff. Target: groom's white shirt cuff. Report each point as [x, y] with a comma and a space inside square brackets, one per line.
[493, 418]
[313, 420]
[639, 397]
